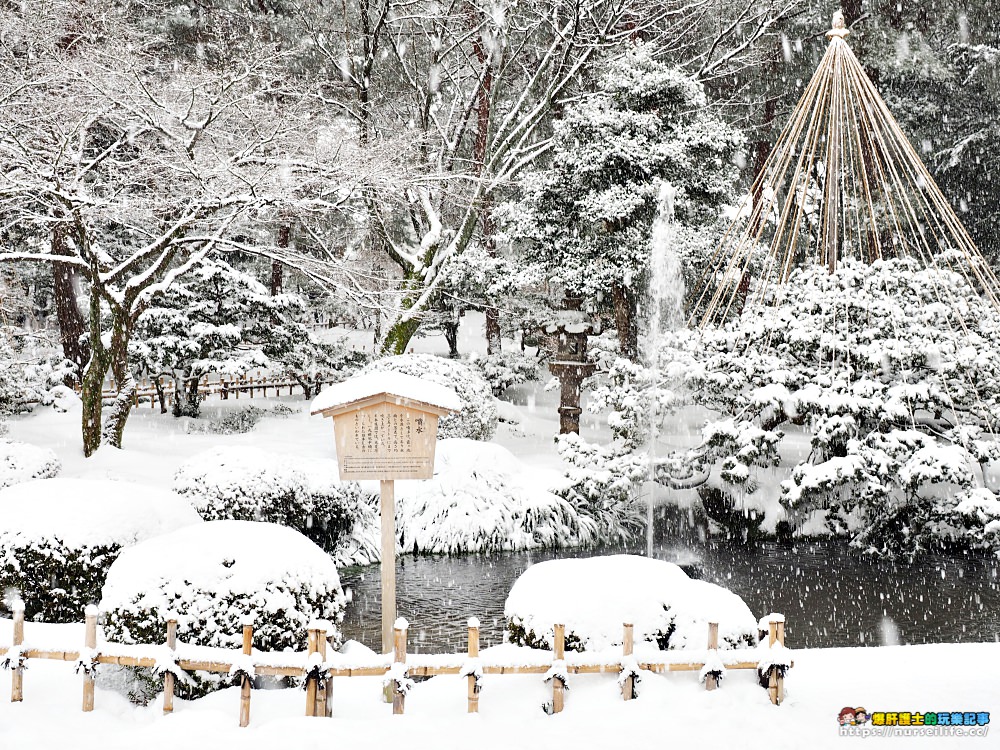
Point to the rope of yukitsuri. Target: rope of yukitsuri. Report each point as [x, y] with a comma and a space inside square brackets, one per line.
[841, 181]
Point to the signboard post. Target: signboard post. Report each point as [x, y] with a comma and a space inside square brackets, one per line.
[385, 427]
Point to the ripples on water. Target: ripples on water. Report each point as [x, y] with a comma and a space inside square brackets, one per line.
[830, 595]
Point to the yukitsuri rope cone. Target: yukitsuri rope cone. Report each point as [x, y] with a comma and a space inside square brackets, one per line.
[842, 181]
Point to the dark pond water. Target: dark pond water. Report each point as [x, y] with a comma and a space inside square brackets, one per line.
[829, 595]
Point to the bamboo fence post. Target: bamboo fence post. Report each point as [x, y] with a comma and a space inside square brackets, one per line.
[239, 382]
[628, 644]
[311, 682]
[772, 678]
[558, 688]
[780, 635]
[473, 654]
[399, 657]
[322, 699]
[169, 679]
[17, 675]
[711, 681]
[246, 685]
[90, 641]
[265, 387]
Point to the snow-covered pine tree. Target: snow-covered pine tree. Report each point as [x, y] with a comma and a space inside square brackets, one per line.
[884, 379]
[223, 320]
[588, 215]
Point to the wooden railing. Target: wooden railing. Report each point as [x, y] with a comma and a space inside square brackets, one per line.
[318, 669]
[225, 387]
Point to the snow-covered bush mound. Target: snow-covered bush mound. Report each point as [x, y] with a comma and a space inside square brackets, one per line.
[21, 462]
[213, 576]
[593, 597]
[477, 418]
[59, 537]
[249, 484]
[483, 498]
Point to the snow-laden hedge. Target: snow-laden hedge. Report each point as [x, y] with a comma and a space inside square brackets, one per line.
[21, 462]
[594, 596]
[482, 498]
[249, 484]
[478, 417]
[213, 576]
[59, 537]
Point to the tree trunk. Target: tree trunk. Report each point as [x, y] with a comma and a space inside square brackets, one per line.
[92, 386]
[277, 268]
[625, 321]
[72, 326]
[117, 415]
[92, 383]
[451, 336]
[762, 152]
[186, 398]
[399, 335]
[160, 395]
[484, 104]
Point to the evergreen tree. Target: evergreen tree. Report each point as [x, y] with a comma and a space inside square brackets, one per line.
[222, 320]
[588, 216]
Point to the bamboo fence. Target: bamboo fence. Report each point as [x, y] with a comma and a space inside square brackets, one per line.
[318, 672]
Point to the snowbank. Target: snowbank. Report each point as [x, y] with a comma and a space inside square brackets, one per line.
[20, 462]
[91, 512]
[594, 596]
[58, 537]
[213, 576]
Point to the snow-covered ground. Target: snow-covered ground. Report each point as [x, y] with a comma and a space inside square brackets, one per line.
[672, 710]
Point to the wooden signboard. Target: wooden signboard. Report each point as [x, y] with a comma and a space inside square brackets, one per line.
[386, 436]
[386, 441]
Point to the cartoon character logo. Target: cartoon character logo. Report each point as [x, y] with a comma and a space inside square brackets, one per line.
[846, 716]
[860, 715]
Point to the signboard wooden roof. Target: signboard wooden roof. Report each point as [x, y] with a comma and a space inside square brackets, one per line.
[384, 387]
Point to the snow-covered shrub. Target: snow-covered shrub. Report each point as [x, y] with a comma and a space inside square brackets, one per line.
[21, 462]
[240, 420]
[482, 498]
[58, 537]
[594, 596]
[28, 380]
[477, 418]
[601, 485]
[249, 484]
[506, 368]
[213, 576]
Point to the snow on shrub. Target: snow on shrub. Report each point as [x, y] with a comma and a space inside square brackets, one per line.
[249, 484]
[505, 369]
[21, 462]
[483, 498]
[59, 537]
[478, 417]
[594, 596]
[213, 576]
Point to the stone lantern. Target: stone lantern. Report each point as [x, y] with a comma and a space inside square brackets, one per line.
[569, 330]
